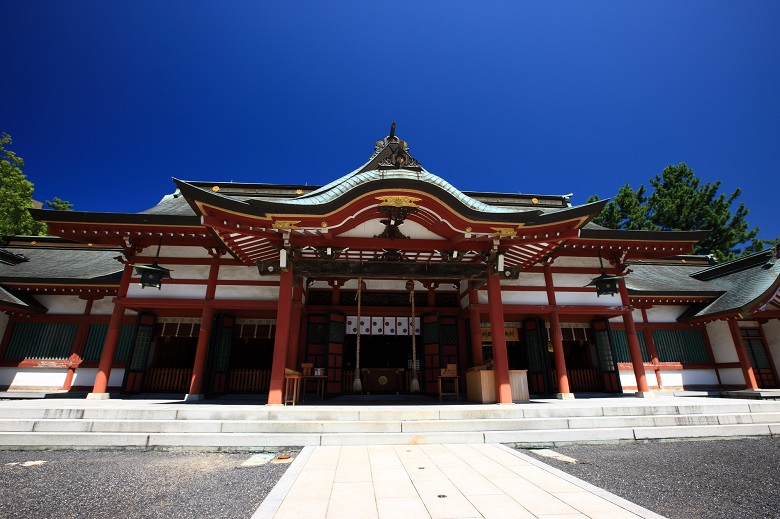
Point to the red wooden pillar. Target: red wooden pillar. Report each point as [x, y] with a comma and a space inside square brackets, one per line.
[652, 351]
[744, 361]
[335, 294]
[564, 392]
[295, 325]
[500, 356]
[476, 326]
[283, 312]
[633, 344]
[201, 350]
[79, 343]
[431, 299]
[112, 337]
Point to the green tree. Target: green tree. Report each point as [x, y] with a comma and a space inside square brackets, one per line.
[625, 211]
[59, 205]
[681, 202]
[15, 195]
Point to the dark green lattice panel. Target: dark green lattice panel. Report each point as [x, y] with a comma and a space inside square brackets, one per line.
[680, 346]
[41, 341]
[337, 331]
[620, 341]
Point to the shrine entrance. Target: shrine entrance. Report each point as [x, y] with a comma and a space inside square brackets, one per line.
[385, 363]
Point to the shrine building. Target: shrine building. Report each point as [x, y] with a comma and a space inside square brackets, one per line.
[380, 282]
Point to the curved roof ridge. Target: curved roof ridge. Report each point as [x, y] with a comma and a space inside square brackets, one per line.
[344, 184]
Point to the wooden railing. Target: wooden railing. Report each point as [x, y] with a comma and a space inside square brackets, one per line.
[248, 381]
[581, 380]
[168, 379]
[347, 378]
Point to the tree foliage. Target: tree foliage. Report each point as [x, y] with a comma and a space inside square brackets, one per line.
[15, 195]
[59, 204]
[679, 201]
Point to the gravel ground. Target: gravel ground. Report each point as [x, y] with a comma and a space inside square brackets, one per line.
[719, 478]
[132, 484]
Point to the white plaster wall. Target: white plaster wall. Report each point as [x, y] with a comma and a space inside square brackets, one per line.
[20, 378]
[722, 342]
[243, 273]
[517, 298]
[772, 336]
[732, 377]
[7, 375]
[174, 252]
[627, 379]
[665, 314]
[374, 227]
[586, 298]
[86, 377]
[636, 314]
[573, 280]
[246, 292]
[62, 304]
[105, 306]
[384, 284]
[577, 261]
[689, 377]
[189, 271]
[169, 290]
[528, 279]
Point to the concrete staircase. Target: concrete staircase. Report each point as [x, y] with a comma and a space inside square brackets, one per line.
[169, 424]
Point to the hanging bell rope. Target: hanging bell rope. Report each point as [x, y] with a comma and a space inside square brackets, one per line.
[414, 385]
[357, 385]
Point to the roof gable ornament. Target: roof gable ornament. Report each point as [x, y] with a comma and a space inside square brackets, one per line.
[393, 153]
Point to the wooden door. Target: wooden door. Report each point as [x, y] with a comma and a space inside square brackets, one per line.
[539, 372]
[439, 348]
[337, 332]
[218, 358]
[138, 357]
[760, 359]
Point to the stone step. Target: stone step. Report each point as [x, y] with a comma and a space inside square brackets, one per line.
[85, 425]
[379, 413]
[259, 441]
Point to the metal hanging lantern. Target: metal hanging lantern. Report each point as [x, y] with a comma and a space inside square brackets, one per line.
[604, 283]
[153, 275]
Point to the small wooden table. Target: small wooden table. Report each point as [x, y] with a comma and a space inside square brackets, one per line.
[455, 393]
[292, 387]
[320, 380]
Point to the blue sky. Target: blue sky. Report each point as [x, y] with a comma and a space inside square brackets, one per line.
[106, 101]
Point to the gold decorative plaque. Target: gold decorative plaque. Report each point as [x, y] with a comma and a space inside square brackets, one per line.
[282, 224]
[398, 201]
[504, 231]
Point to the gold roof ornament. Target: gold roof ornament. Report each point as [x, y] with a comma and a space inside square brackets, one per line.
[398, 201]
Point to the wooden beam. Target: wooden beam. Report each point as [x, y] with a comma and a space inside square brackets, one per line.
[389, 269]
